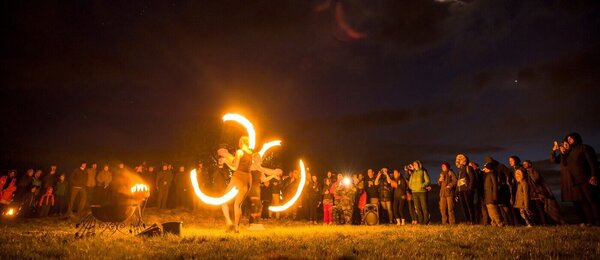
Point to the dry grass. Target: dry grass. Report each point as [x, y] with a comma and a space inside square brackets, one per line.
[204, 237]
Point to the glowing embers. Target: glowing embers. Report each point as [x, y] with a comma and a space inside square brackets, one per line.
[268, 146]
[296, 195]
[208, 199]
[246, 123]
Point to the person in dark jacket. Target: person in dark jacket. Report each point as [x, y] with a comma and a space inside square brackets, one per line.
[371, 188]
[559, 156]
[163, 184]
[50, 178]
[265, 197]
[37, 181]
[314, 199]
[400, 188]
[289, 186]
[408, 170]
[62, 187]
[275, 196]
[447, 182]
[23, 184]
[481, 215]
[361, 198]
[383, 181]
[541, 195]
[465, 185]
[90, 184]
[514, 163]
[29, 202]
[505, 183]
[582, 165]
[490, 194]
[78, 183]
[183, 188]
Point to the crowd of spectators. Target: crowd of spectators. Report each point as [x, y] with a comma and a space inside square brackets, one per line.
[494, 194]
[70, 196]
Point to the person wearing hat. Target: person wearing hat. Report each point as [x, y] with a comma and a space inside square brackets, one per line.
[522, 198]
[541, 195]
[505, 183]
[490, 197]
[582, 165]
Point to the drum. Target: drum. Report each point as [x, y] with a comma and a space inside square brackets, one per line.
[371, 215]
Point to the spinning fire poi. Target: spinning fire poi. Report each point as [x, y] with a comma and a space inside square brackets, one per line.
[245, 161]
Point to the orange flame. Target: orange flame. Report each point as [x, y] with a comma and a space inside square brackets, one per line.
[296, 195]
[140, 187]
[246, 123]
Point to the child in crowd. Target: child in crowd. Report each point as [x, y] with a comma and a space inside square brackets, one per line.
[522, 197]
[46, 202]
[327, 202]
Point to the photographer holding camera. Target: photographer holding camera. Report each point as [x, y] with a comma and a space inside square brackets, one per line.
[383, 182]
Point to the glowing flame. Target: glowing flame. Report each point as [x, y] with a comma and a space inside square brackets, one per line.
[268, 146]
[10, 212]
[139, 188]
[298, 192]
[246, 123]
[208, 199]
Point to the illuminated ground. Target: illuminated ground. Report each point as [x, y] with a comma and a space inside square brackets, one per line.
[204, 237]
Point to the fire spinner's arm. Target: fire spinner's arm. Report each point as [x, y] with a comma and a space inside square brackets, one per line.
[231, 161]
[257, 166]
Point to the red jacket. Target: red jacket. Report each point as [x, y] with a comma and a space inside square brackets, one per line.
[47, 199]
[7, 194]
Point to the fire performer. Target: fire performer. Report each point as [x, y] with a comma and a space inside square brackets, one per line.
[242, 163]
[241, 179]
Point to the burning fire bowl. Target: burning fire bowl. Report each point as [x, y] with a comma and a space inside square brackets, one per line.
[114, 212]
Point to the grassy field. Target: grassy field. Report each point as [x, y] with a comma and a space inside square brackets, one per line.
[204, 237]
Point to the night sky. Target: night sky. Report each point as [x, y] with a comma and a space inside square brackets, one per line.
[145, 80]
